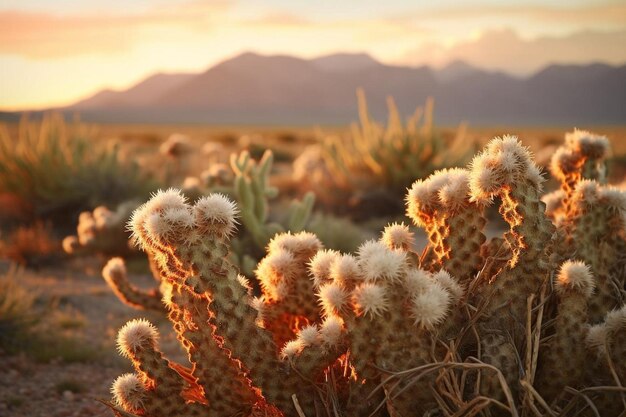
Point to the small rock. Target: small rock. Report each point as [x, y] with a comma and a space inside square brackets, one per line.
[68, 395]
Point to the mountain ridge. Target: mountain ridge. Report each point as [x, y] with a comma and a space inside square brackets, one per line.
[282, 89]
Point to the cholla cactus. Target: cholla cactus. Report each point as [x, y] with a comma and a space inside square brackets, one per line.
[595, 232]
[253, 191]
[101, 231]
[189, 244]
[513, 326]
[251, 184]
[177, 149]
[581, 157]
[574, 286]
[310, 169]
[606, 344]
[505, 170]
[590, 216]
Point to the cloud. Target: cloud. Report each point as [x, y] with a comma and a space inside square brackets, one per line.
[604, 13]
[43, 35]
[505, 50]
[280, 19]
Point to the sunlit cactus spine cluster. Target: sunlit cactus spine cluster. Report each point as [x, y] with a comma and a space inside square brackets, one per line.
[530, 323]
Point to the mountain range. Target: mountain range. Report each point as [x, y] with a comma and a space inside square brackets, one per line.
[257, 89]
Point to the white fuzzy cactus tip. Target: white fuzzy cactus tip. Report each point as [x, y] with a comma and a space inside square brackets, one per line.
[430, 308]
[320, 266]
[398, 236]
[309, 335]
[575, 276]
[147, 223]
[378, 262]
[291, 349]
[333, 298]
[136, 334]
[370, 299]
[128, 392]
[299, 243]
[216, 214]
[331, 330]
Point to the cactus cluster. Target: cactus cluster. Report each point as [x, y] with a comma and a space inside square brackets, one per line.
[528, 323]
[104, 231]
[101, 232]
[250, 186]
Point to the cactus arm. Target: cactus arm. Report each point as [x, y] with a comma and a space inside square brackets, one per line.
[574, 285]
[225, 387]
[265, 168]
[164, 386]
[300, 212]
[115, 275]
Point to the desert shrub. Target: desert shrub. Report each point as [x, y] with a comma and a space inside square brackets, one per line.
[58, 170]
[46, 346]
[376, 156]
[32, 245]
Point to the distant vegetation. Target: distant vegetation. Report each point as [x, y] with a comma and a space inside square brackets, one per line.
[57, 169]
[396, 154]
[378, 162]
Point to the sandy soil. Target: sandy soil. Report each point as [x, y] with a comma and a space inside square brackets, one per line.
[29, 388]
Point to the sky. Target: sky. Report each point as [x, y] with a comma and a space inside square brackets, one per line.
[54, 52]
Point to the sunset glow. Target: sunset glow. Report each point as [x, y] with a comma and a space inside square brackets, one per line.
[53, 53]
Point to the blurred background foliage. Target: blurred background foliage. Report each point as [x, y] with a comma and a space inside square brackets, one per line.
[54, 170]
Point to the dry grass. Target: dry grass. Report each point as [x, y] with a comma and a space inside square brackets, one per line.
[17, 315]
[456, 386]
